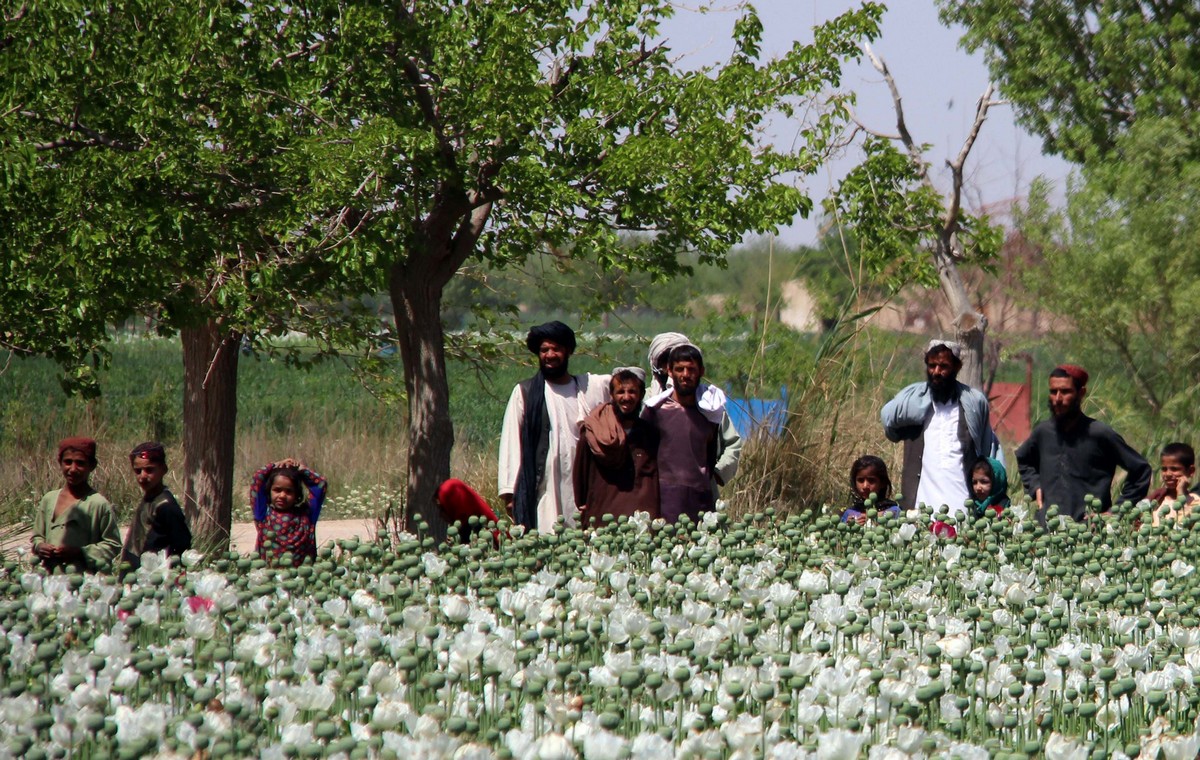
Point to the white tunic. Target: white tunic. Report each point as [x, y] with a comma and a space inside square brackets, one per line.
[942, 479]
[567, 405]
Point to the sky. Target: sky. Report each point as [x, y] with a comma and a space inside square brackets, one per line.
[940, 84]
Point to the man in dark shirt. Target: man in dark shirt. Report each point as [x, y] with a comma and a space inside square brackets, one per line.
[687, 444]
[1072, 456]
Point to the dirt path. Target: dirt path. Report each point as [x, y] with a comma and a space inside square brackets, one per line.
[243, 534]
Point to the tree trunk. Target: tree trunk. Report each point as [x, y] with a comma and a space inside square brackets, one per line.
[970, 326]
[417, 303]
[210, 363]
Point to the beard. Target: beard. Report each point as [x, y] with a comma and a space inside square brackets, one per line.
[943, 391]
[554, 373]
[1068, 414]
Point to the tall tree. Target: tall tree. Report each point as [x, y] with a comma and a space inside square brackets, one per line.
[388, 143]
[908, 228]
[153, 157]
[1080, 72]
[490, 131]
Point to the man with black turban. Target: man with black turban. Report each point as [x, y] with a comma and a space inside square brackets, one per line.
[541, 428]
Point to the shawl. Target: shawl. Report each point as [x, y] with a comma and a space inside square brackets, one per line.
[998, 499]
[604, 435]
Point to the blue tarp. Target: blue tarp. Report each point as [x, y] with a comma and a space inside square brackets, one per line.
[756, 416]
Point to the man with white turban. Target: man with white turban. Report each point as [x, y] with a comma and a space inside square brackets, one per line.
[945, 427]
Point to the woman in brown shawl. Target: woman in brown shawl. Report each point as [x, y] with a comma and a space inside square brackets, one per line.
[615, 470]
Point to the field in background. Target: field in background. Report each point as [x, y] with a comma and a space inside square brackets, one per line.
[342, 427]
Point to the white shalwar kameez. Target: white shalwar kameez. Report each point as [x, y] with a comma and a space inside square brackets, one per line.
[567, 404]
[942, 479]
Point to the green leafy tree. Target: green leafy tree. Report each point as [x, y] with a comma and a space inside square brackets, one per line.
[218, 160]
[154, 161]
[1120, 264]
[1080, 72]
[492, 131]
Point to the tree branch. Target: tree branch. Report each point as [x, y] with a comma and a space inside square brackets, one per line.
[914, 150]
[95, 139]
[950, 220]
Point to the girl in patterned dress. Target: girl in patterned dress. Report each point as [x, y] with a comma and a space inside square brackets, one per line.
[286, 522]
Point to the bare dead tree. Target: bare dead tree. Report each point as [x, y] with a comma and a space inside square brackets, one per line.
[970, 325]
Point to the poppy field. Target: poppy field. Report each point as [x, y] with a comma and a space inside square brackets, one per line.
[764, 636]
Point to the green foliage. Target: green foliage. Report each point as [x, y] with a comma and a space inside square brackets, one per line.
[897, 216]
[153, 159]
[1079, 72]
[1121, 264]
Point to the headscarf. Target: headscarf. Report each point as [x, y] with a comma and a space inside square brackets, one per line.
[555, 331]
[1078, 374]
[637, 372]
[151, 451]
[460, 502]
[660, 346]
[85, 446]
[998, 499]
[938, 344]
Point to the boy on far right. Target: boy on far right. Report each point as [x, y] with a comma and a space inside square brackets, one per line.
[1173, 501]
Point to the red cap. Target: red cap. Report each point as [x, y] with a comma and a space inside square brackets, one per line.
[1076, 373]
[85, 446]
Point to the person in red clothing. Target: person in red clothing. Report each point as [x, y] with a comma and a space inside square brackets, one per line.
[459, 503]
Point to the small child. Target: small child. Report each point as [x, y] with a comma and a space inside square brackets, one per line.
[869, 475]
[158, 522]
[989, 487]
[284, 521]
[1173, 501]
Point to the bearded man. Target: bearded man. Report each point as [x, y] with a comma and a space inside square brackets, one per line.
[541, 428]
[1072, 456]
[945, 427]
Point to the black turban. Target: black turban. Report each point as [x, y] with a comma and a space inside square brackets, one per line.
[555, 331]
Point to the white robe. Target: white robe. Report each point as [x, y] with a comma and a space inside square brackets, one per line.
[568, 404]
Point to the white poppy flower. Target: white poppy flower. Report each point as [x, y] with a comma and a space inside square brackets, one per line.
[812, 582]
[650, 747]
[435, 566]
[839, 744]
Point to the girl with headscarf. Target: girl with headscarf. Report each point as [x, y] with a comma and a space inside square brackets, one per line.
[989, 486]
[459, 503]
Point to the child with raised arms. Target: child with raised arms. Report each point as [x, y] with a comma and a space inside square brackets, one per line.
[286, 521]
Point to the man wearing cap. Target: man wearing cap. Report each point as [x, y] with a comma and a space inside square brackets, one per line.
[74, 527]
[616, 471]
[541, 427]
[945, 429]
[1072, 456]
[158, 522]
